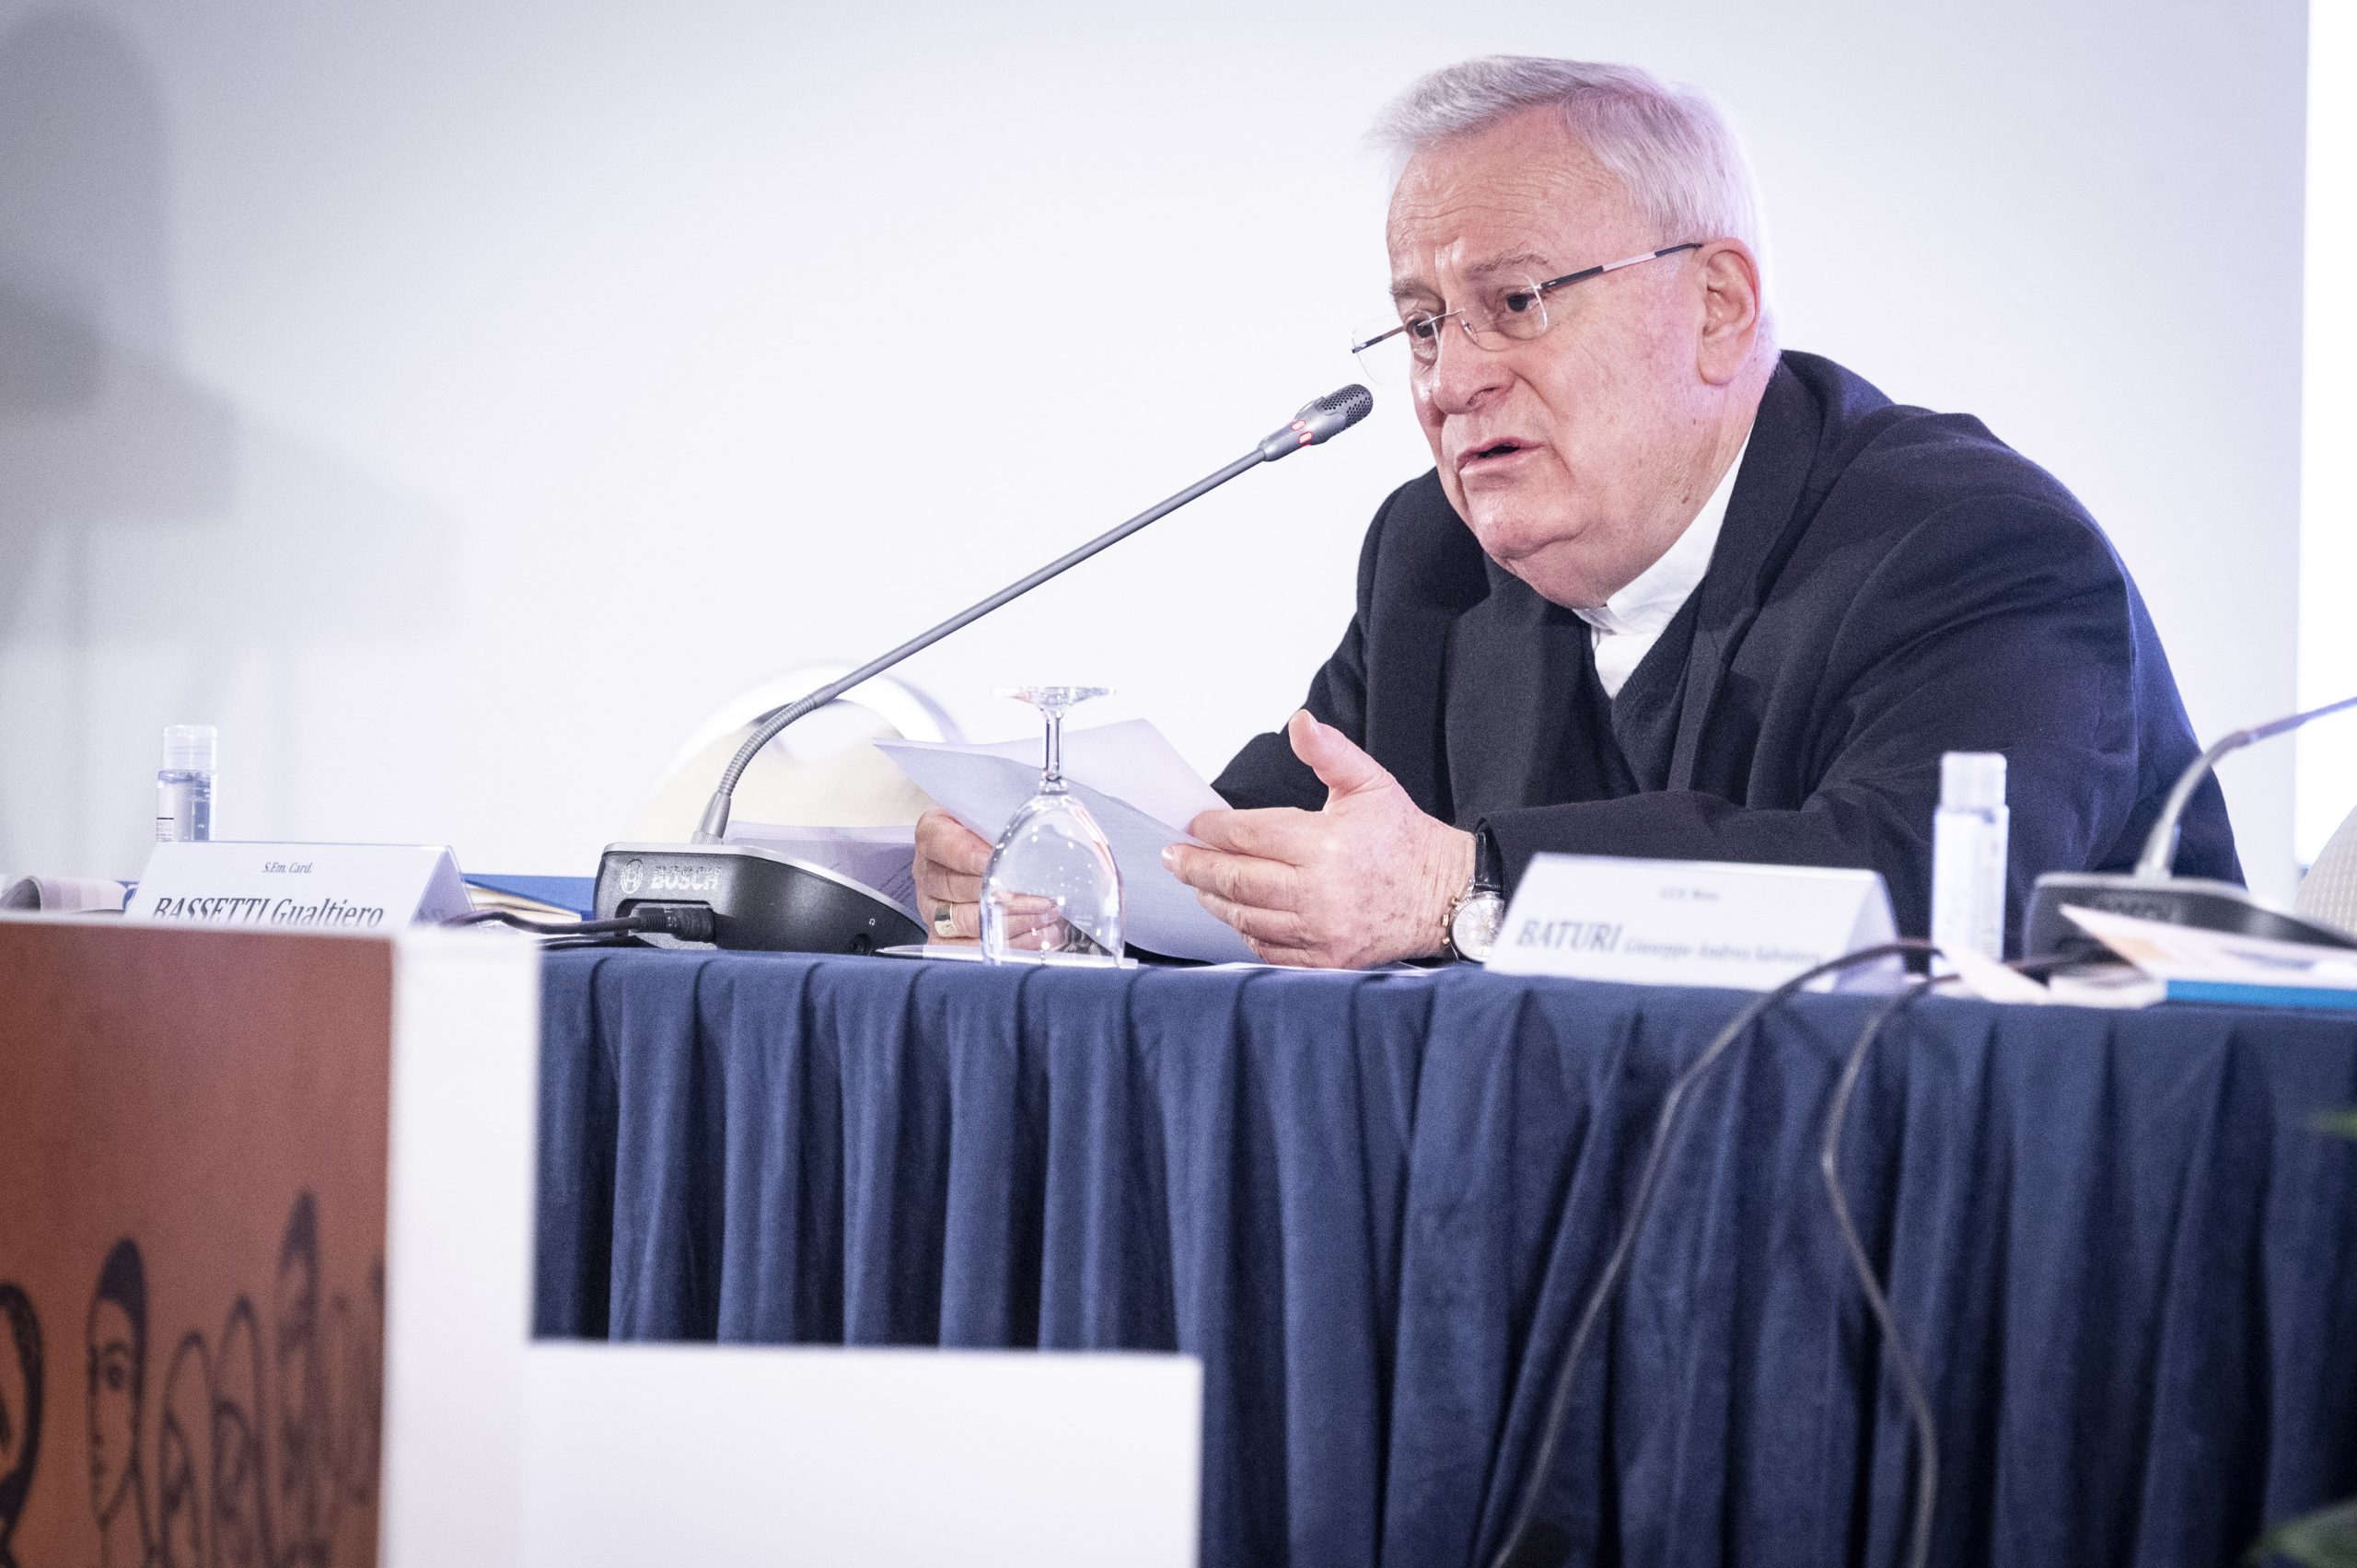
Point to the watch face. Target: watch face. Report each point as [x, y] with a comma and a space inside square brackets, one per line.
[1473, 929]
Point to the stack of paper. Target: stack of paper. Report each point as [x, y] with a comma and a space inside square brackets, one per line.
[1133, 781]
[68, 894]
[2184, 963]
[560, 899]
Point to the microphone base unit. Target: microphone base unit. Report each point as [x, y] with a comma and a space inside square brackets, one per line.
[761, 901]
[2199, 902]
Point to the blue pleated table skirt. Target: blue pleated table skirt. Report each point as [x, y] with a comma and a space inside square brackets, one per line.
[2118, 1244]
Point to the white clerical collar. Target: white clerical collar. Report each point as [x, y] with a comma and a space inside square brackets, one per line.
[1652, 601]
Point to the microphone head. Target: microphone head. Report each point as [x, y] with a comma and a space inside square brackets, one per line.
[1329, 416]
[1319, 421]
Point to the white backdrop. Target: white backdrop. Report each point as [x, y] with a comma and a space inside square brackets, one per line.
[454, 400]
[2327, 751]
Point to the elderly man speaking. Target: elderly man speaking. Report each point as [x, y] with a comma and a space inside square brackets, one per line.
[1668, 592]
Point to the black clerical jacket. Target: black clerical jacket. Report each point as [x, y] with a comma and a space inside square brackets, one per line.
[1889, 584]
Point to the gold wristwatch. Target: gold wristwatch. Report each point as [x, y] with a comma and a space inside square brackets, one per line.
[1480, 910]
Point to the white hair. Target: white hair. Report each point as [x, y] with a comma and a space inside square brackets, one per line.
[1668, 144]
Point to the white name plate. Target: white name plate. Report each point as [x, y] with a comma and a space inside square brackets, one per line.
[300, 886]
[1693, 923]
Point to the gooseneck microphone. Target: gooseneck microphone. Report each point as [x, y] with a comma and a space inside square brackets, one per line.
[1319, 421]
[2160, 846]
[761, 898]
[2151, 892]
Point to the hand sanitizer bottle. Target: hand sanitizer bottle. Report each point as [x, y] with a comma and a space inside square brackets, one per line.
[184, 784]
[1969, 857]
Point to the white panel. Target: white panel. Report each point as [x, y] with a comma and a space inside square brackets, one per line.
[459, 1247]
[738, 1457]
[2329, 452]
[456, 400]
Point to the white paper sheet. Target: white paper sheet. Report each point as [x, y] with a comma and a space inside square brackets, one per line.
[2189, 954]
[1133, 781]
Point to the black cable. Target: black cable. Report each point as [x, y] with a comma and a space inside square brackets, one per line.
[543, 927]
[1829, 1165]
[690, 922]
[1910, 1383]
[1532, 1542]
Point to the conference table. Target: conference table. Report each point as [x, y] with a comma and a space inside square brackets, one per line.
[2116, 1243]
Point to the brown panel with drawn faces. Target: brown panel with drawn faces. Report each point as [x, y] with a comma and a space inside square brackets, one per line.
[192, 1144]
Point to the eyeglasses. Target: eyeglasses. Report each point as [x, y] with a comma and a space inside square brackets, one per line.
[1500, 313]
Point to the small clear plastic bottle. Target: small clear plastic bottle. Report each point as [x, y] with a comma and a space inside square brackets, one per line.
[184, 784]
[1968, 856]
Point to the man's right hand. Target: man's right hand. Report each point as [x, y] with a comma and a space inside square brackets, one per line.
[950, 863]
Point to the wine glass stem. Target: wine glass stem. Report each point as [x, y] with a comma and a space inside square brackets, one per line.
[1052, 776]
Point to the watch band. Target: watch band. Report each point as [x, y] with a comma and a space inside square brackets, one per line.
[1486, 884]
[1489, 874]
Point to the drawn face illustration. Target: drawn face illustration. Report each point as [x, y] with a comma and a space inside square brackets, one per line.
[294, 1457]
[183, 1456]
[12, 1402]
[21, 1396]
[359, 1403]
[114, 1403]
[363, 1394]
[117, 1370]
[240, 1533]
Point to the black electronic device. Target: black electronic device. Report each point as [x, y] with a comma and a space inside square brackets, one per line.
[2174, 901]
[761, 898]
[2151, 892]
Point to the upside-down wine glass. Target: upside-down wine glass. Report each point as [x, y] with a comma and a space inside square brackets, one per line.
[1053, 893]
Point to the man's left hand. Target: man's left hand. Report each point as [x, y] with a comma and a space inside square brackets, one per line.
[1367, 880]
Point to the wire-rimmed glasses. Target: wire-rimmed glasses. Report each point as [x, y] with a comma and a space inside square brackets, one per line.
[1502, 311]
